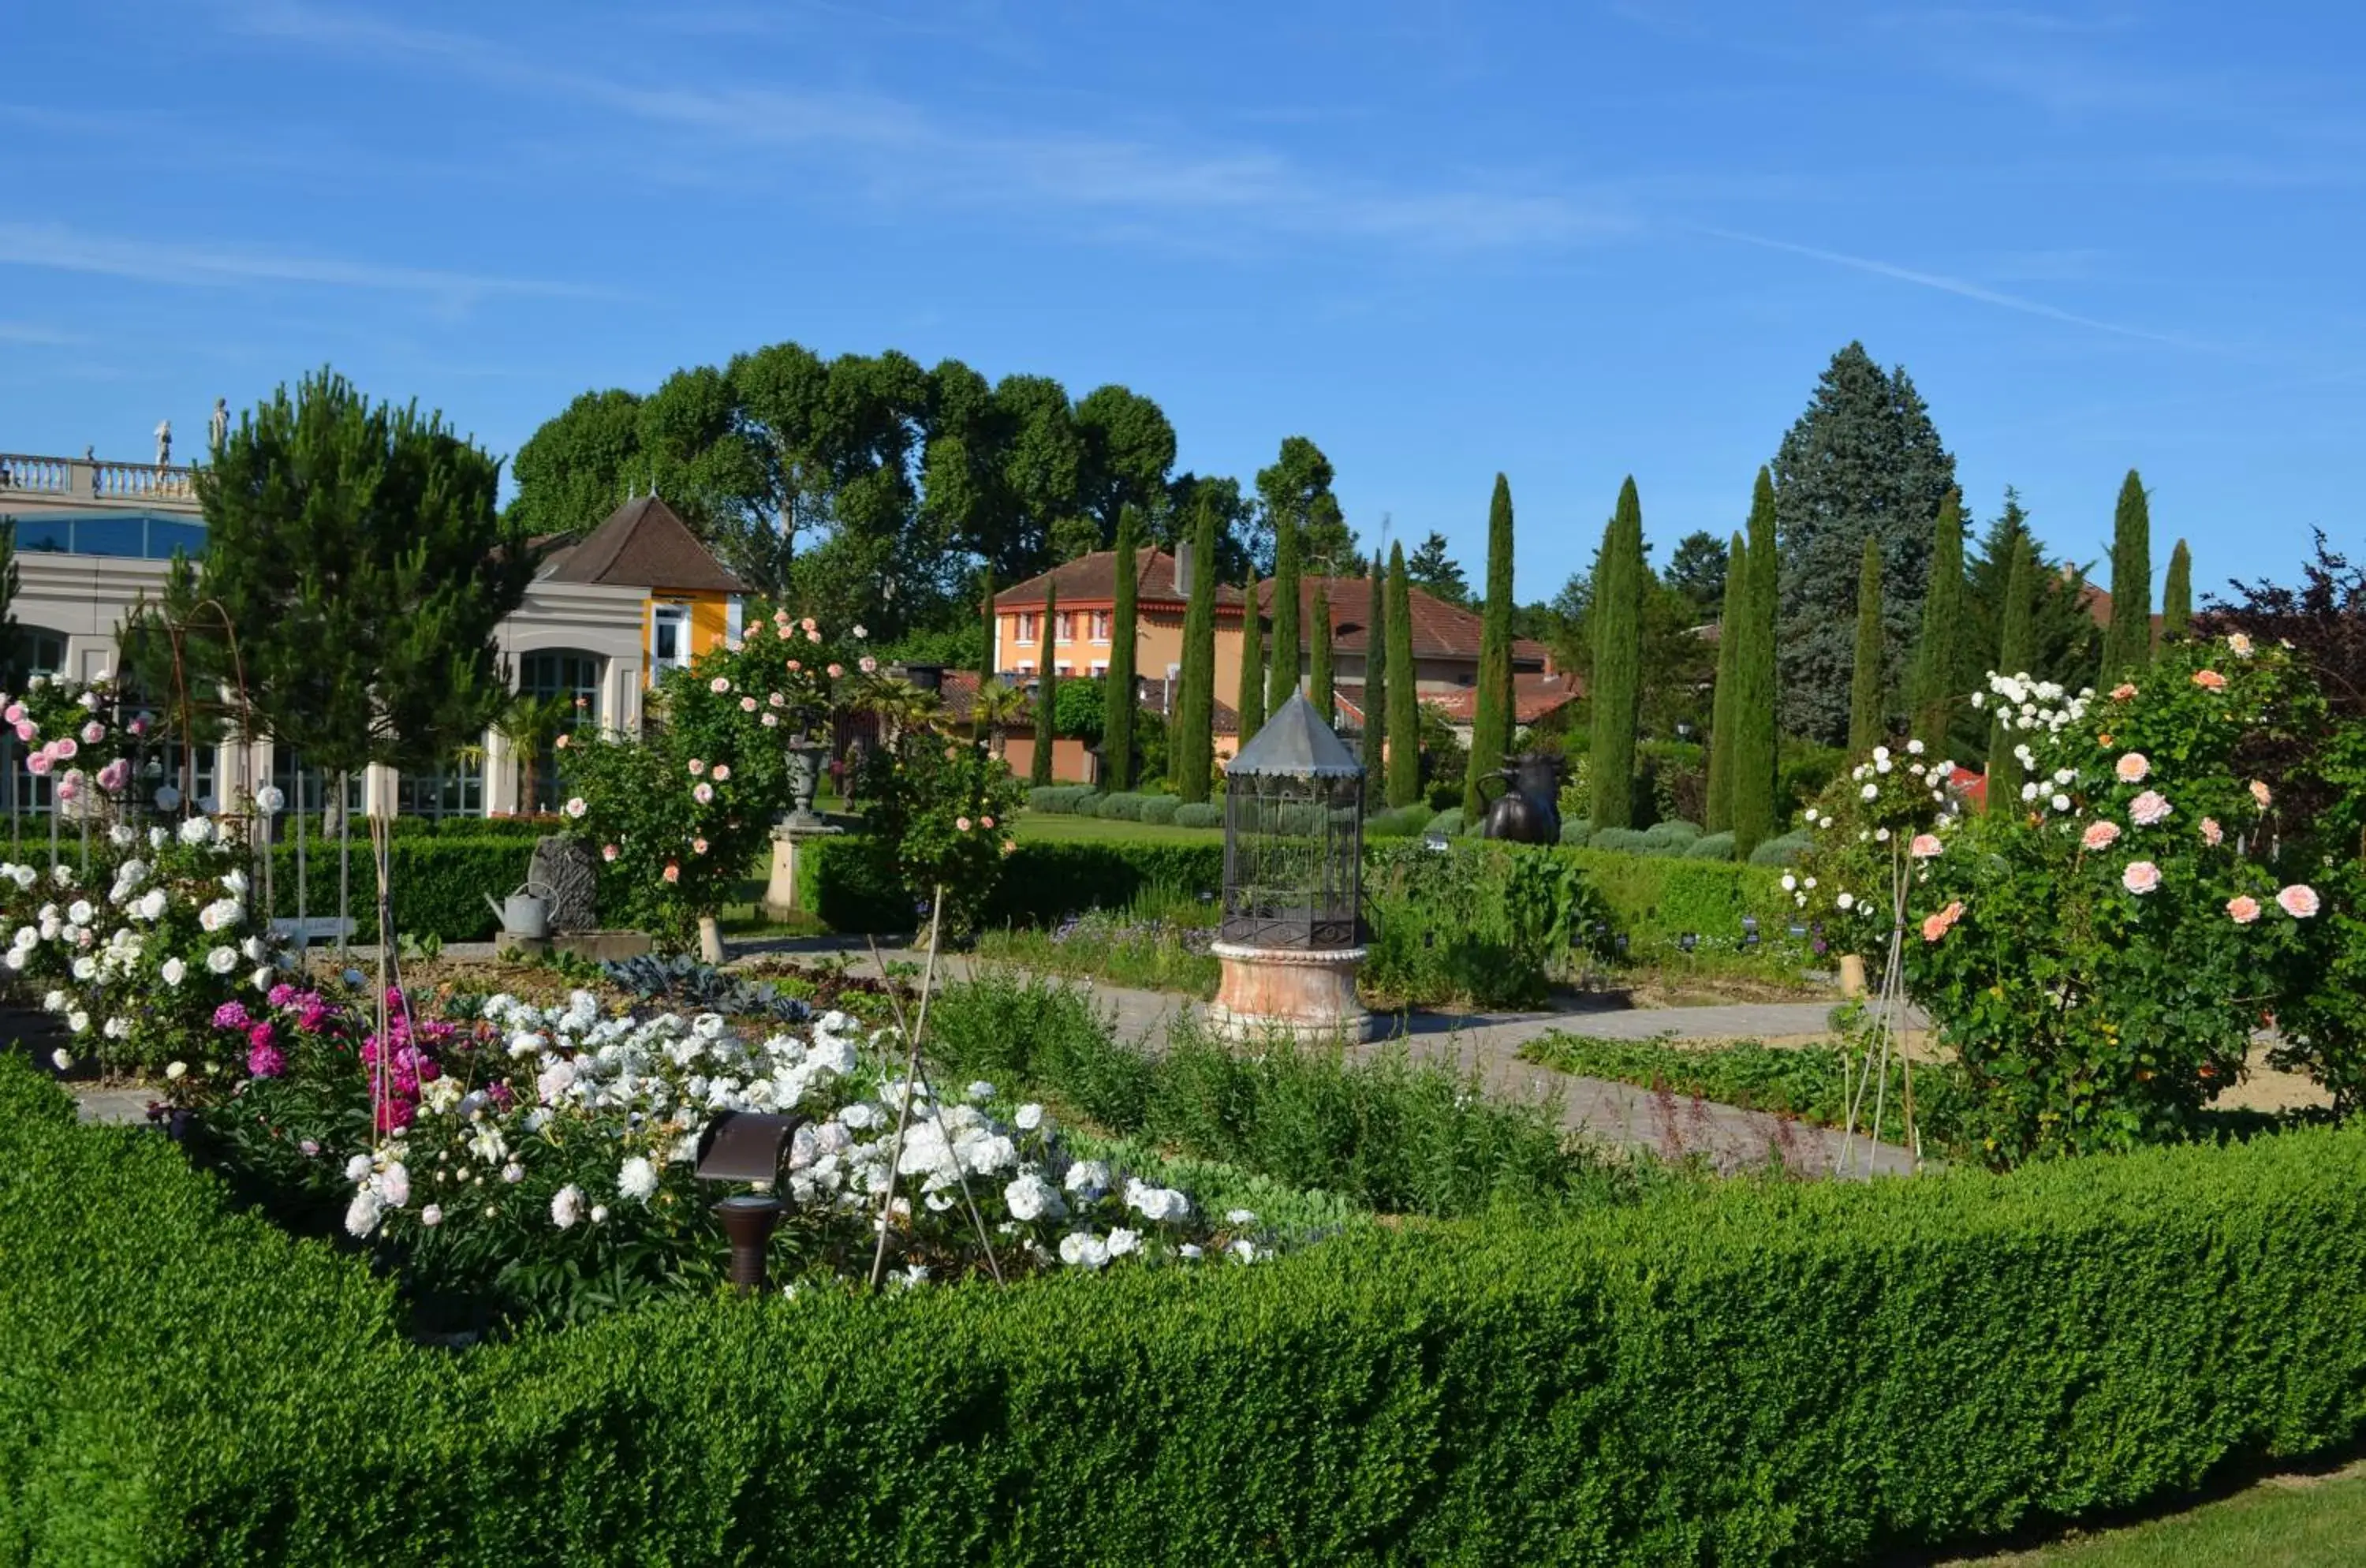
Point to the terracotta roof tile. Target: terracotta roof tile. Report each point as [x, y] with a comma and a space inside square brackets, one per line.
[1089, 581]
[643, 544]
[1533, 696]
[1440, 631]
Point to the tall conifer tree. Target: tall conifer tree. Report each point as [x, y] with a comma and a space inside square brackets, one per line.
[985, 659]
[2127, 641]
[1250, 700]
[1321, 683]
[2177, 593]
[1868, 703]
[2014, 646]
[1404, 697]
[1618, 615]
[1281, 669]
[1047, 689]
[1730, 635]
[1119, 705]
[1375, 687]
[1490, 724]
[1939, 650]
[1756, 688]
[1194, 721]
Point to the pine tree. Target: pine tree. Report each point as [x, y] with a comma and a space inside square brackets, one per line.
[1120, 705]
[2177, 594]
[1863, 460]
[1730, 635]
[1868, 708]
[1490, 724]
[2127, 641]
[2065, 643]
[1938, 653]
[1321, 685]
[1375, 687]
[2013, 648]
[1047, 690]
[1251, 697]
[1281, 667]
[1195, 720]
[985, 659]
[1404, 697]
[1617, 612]
[1754, 678]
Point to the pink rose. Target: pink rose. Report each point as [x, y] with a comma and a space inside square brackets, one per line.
[2239, 644]
[92, 733]
[115, 775]
[14, 713]
[672, 872]
[722, 773]
[2100, 836]
[720, 684]
[1926, 846]
[2142, 876]
[2243, 911]
[2123, 691]
[607, 852]
[836, 671]
[65, 747]
[777, 700]
[961, 824]
[808, 623]
[2299, 901]
[755, 630]
[746, 705]
[2213, 834]
[868, 665]
[2148, 809]
[39, 765]
[2261, 794]
[2210, 679]
[795, 666]
[986, 821]
[27, 729]
[703, 794]
[771, 721]
[2132, 767]
[697, 765]
[560, 743]
[698, 846]
[813, 636]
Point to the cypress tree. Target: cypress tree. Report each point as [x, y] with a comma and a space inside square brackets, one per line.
[1252, 693]
[1047, 690]
[1195, 710]
[2127, 641]
[1375, 686]
[1938, 650]
[1868, 720]
[1729, 636]
[985, 659]
[1618, 609]
[1321, 684]
[1404, 697]
[1490, 724]
[1756, 689]
[2177, 594]
[1281, 666]
[9, 583]
[2014, 645]
[1119, 704]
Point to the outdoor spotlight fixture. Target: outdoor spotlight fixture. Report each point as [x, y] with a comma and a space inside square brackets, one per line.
[1797, 930]
[1689, 941]
[1622, 944]
[1435, 842]
[746, 1145]
[1750, 931]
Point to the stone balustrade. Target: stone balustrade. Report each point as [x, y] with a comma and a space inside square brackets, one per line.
[94, 482]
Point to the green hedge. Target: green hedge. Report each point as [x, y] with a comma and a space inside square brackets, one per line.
[1730, 1373]
[1656, 899]
[440, 883]
[841, 881]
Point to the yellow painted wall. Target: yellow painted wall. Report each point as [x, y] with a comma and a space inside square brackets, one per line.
[710, 622]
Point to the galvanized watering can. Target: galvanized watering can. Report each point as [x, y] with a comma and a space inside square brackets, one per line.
[523, 913]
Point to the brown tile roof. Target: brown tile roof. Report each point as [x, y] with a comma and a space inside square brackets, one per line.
[1533, 696]
[2097, 602]
[643, 544]
[1440, 631]
[957, 689]
[1091, 580]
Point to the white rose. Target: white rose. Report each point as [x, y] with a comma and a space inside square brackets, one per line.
[1080, 1249]
[175, 1071]
[222, 960]
[174, 970]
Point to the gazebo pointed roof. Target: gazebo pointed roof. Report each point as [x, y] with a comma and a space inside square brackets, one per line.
[1295, 744]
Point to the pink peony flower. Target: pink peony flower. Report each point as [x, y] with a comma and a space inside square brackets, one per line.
[703, 794]
[608, 851]
[720, 684]
[2243, 909]
[2132, 767]
[2123, 691]
[2142, 876]
[2149, 810]
[722, 773]
[265, 1061]
[672, 872]
[2261, 794]
[1938, 925]
[2210, 679]
[2213, 834]
[2100, 836]
[2299, 901]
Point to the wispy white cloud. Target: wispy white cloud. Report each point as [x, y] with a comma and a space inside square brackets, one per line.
[58, 248]
[896, 149]
[1961, 287]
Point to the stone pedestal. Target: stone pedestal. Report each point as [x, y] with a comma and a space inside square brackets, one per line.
[1309, 996]
[1852, 974]
[781, 890]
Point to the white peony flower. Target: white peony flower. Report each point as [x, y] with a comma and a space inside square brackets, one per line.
[432, 1215]
[1121, 1242]
[362, 1214]
[599, 1213]
[393, 1184]
[1081, 1249]
[198, 830]
[358, 1169]
[636, 1179]
[513, 1173]
[567, 1206]
[1871, 792]
[1030, 1117]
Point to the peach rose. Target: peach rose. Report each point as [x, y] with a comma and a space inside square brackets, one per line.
[2299, 901]
[2261, 794]
[2213, 834]
[2141, 876]
[2210, 679]
[2132, 767]
[2123, 691]
[2239, 644]
[2100, 836]
[2243, 909]
[2148, 809]
[1925, 846]
[1938, 925]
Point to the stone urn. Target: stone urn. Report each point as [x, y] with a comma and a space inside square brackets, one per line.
[805, 781]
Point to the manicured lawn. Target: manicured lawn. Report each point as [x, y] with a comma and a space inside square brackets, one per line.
[1054, 828]
[2300, 1523]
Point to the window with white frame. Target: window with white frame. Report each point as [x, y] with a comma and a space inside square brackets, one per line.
[669, 638]
[1101, 621]
[1067, 625]
[1027, 620]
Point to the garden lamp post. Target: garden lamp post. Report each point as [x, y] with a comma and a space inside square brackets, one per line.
[746, 1145]
[1292, 934]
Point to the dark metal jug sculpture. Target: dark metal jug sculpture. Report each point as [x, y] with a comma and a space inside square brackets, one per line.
[1528, 811]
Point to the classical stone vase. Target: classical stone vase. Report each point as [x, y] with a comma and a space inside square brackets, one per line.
[805, 781]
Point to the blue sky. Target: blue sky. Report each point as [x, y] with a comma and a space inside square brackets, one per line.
[1568, 242]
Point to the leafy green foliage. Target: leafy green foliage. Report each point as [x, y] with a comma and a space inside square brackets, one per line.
[1434, 570]
[1047, 694]
[1321, 688]
[1615, 614]
[1869, 699]
[2014, 648]
[2063, 641]
[1864, 461]
[940, 817]
[1482, 923]
[1491, 726]
[1294, 493]
[1375, 694]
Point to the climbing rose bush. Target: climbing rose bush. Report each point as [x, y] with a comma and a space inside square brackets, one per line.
[2100, 952]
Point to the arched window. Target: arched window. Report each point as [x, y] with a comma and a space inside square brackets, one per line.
[566, 672]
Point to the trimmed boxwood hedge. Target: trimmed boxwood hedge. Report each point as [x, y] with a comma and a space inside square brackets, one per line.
[1655, 898]
[440, 883]
[1736, 1373]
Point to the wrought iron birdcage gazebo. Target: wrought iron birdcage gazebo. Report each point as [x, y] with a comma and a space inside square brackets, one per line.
[1292, 934]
